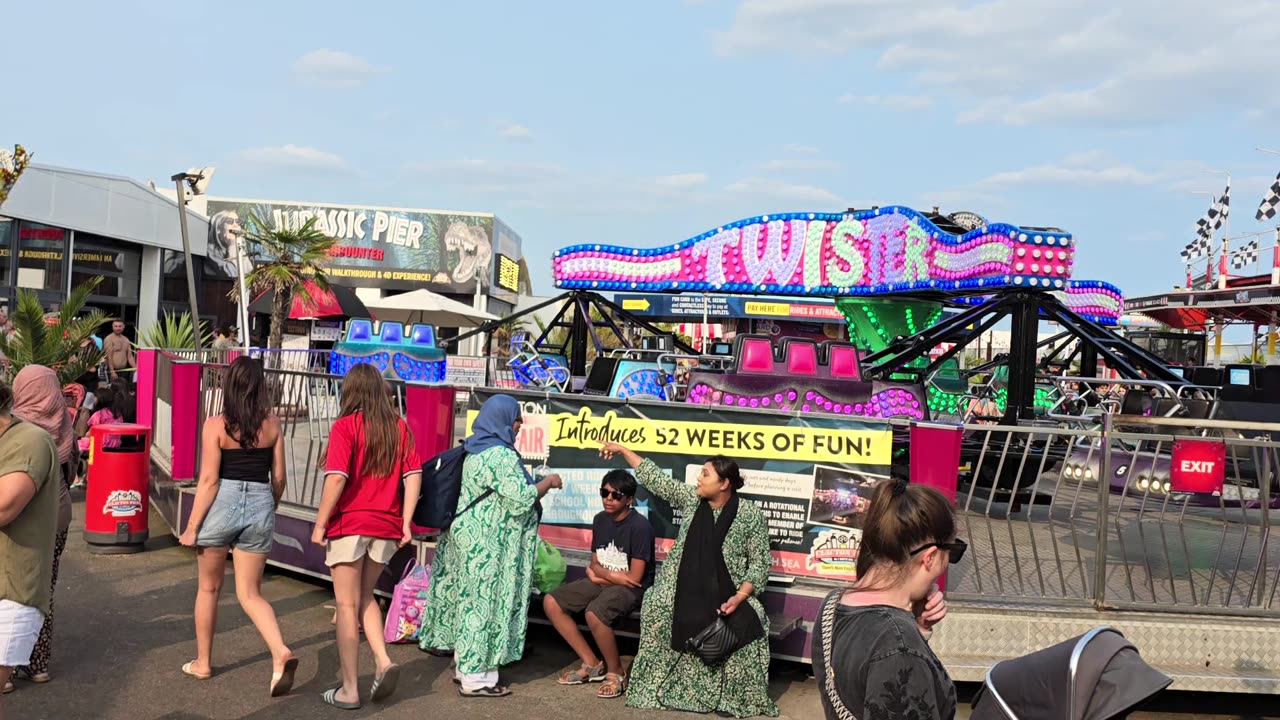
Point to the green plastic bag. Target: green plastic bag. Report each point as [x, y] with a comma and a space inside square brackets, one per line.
[548, 569]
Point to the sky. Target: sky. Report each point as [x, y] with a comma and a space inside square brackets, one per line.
[642, 124]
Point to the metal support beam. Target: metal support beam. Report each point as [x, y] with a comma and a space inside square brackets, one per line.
[1023, 338]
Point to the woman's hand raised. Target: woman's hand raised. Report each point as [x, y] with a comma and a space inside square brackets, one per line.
[932, 611]
[610, 448]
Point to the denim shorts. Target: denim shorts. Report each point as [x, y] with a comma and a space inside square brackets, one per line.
[243, 516]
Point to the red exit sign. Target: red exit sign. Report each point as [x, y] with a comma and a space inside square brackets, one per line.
[1199, 466]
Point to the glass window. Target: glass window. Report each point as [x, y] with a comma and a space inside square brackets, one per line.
[119, 267]
[6, 248]
[41, 252]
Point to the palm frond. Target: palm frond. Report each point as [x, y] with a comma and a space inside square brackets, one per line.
[36, 341]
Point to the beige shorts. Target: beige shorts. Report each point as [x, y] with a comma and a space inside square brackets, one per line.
[350, 548]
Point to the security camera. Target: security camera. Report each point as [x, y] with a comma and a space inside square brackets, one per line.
[198, 179]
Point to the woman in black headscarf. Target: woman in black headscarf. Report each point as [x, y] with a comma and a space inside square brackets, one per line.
[717, 569]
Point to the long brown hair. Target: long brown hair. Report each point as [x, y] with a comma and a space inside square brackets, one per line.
[901, 518]
[364, 391]
[245, 402]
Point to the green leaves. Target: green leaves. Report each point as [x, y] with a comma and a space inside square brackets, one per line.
[284, 261]
[174, 332]
[36, 341]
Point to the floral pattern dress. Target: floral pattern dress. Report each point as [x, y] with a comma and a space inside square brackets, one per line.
[478, 601]
[665, 679]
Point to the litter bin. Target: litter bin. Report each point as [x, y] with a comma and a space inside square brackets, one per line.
[117, 502]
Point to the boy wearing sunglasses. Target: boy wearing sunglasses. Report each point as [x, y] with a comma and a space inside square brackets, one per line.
[621, 570]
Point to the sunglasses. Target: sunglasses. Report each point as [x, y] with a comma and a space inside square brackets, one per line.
[954, 549]
[606, 493]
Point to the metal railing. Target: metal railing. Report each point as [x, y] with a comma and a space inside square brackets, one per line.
[307, 404]
[1090, 516]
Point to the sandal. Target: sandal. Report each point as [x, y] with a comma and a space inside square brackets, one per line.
[583, 675]
[385, 684]
[23, 674]
[492, 692]
[8, 687]
[614, 686]
[186, 670]
[282, 682]
[330, 697]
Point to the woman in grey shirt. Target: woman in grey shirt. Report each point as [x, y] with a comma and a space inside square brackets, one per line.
[871, 652]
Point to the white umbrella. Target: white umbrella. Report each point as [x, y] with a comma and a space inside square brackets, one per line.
[424, 306]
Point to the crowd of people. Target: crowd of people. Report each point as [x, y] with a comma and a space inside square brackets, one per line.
[704, 641]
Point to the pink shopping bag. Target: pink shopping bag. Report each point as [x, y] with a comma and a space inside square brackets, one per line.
[404, 616]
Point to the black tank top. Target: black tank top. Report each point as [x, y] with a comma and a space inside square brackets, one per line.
[251, 465]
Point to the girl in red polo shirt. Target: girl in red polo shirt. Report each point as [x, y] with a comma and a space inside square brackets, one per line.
[372, 479]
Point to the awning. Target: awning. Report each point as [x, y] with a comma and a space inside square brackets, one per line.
[424, 306]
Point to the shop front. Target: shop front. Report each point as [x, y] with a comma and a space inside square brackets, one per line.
[380, 251]
[62, 228]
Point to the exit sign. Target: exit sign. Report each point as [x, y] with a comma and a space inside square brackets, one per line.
[1199, 466]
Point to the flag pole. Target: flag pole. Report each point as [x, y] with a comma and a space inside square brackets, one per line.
[1226, 228]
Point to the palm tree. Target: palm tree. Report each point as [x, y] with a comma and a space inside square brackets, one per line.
[284, 261]
[37, 340]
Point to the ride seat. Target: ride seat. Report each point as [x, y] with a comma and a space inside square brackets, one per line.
[391, 333]
[800, 356]
[1269, 379]
[1206, 376]
[360, 331]
[423, 335]
[842, 361]
[754, 355]
[1198, 408]
[1135, 403]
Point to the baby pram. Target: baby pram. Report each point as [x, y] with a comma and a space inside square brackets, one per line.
[1097, 676]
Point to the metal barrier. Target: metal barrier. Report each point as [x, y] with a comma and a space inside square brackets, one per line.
[1089, 516]
[307, 404]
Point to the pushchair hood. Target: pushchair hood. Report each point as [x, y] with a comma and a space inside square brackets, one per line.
[1097, 676]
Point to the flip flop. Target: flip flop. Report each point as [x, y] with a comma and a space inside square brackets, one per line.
[385, 684]
[8, 687]
[186, 670]
[282, 682]
[486, 692]
[330, 697]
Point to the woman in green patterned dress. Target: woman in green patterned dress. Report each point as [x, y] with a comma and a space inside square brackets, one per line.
[478, 602]
[720, 561]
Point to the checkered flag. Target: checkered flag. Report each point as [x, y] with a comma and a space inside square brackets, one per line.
[1204, 223]
[1267, 210]
[1244, 257]
[1196, 249]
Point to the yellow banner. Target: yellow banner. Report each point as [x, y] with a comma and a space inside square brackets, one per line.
[588, 431]
[754, 307]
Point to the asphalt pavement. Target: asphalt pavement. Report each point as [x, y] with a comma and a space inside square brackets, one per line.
[124, 630]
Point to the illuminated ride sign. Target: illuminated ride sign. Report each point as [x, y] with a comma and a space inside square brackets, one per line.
[508, 274]
[869, 252]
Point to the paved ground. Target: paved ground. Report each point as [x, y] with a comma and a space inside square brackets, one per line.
[124, 630]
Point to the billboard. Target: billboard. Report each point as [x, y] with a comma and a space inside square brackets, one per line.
[810, 476]
[390, 248]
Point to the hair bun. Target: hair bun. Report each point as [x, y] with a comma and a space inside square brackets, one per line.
[899, 486]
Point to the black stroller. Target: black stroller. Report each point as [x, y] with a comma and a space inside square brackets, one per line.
[1097, 676]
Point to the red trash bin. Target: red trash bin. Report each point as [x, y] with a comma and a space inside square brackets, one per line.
[117, 502]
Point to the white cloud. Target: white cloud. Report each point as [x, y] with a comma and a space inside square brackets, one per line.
[799, 166]
[799, 149]
[336, 69]
[1049, 62]
[292, 158]
[682, 181]
[489, 176]
[515, 131]
[896, 103]
[1073, 174]
[765, 189]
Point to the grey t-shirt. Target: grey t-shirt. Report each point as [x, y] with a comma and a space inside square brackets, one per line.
[884, 668]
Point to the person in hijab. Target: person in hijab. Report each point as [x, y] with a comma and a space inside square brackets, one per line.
[717, 568]
[478, 602]
[37, 399]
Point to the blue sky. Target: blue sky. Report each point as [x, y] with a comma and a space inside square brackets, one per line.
[645, 123]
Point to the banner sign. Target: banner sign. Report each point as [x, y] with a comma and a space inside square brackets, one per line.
[720, 307]
[377, 247]
[1198, 466]
[811, 476]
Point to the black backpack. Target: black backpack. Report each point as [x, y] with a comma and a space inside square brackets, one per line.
[441, 486]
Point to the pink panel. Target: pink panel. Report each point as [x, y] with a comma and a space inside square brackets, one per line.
[843, 362]
[429, 412]
[186, 417]
[145, 388]
[757, 356]
[802, 358]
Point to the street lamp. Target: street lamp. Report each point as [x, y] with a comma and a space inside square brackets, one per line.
[194, 181]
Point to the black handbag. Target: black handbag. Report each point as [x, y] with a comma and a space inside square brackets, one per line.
[725, 636]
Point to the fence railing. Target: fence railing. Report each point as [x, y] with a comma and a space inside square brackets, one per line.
[308, 404]
[1090, 516]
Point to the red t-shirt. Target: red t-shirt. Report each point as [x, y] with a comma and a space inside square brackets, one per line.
[371, 506]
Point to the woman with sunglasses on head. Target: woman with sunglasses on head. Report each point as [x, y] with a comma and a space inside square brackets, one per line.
[871, 652]
[715, 572]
